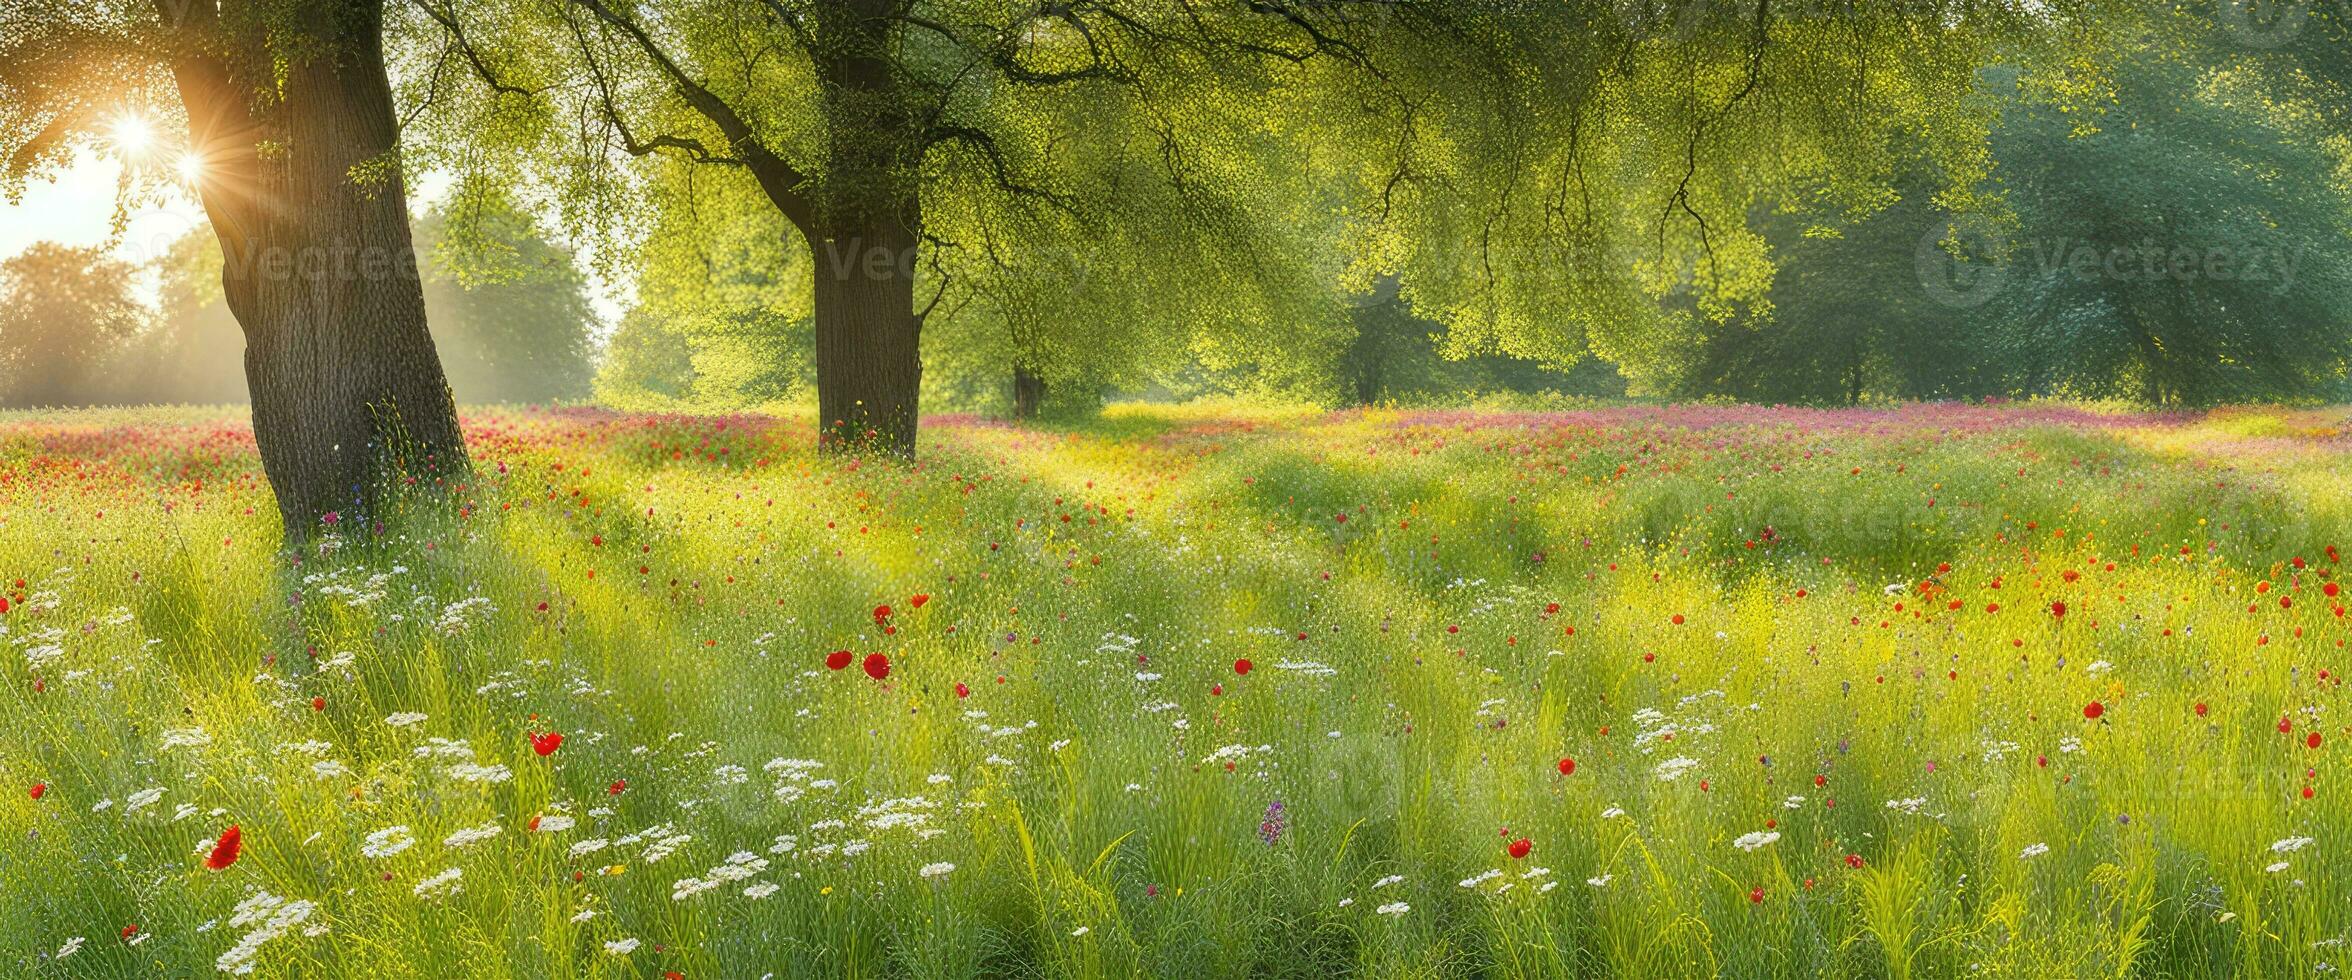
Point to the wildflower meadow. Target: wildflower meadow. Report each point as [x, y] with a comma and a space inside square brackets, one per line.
[1949, 690]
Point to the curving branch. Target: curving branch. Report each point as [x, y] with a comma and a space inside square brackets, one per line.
[983, 143]
[1762, 32]
[457, 37]
[784, 184]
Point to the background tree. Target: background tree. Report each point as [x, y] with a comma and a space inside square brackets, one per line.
[509, 312]
[1398, 356]
[194, 352]
[509, 309]
[2179, 242]
[646, 364]
[720, 291]
[294, 150]
[905, 144]
[2163, 230]
[1847, 318]
[64, 311]
[1533, 173]
[1557, 185]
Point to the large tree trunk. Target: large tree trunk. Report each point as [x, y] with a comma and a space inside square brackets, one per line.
[1028, 392]
[864, 235]
[869, 351]
[349, 401]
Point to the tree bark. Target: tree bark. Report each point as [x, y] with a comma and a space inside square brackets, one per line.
[864, 235]
[868, 340]
[1028, 393]
[350, 403]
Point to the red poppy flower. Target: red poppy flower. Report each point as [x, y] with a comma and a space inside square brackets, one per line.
[130, 930]
[918, 599]
[617, 786]
[962, 691]
[1755, 896]
[318, 704]
[1242, 666]
[2093, 710]
[38, 789]
[2200, 709]
[545, 743]
[1520, 847]
[225, 850]
[1853, 860]
[2058, 610]
[881, 613]
[877, 666]
[2313, 740]
[838, 659]
[1551, 608]
[1567, 767]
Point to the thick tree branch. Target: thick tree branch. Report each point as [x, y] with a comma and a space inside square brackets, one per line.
[784, 184]
[1762, 33]
[609, 110]
[457, 36]
[983, 143]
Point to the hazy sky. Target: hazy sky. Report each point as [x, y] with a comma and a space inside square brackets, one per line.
[76, 207]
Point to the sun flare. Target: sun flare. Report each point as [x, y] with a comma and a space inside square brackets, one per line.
[133, 134]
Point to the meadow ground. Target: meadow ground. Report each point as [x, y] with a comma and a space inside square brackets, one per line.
[1936, 691]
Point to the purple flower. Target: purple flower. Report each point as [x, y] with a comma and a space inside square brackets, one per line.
[1270, 829]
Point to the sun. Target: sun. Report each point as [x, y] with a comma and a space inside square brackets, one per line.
[191, 168]
[133, 134]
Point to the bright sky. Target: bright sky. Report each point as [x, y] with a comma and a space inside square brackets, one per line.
[77, 208]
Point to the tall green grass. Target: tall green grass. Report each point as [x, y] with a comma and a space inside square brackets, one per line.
[664, 591]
